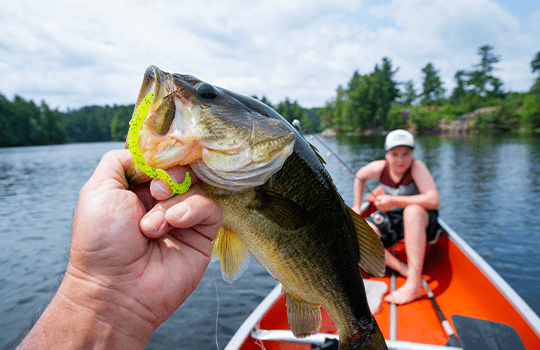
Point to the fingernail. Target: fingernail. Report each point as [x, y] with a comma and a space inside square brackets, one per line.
[164, 187]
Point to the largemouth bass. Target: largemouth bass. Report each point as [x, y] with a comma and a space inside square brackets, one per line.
[280, 206]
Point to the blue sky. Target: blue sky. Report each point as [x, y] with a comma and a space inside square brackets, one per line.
[74, 53]
[522, 8]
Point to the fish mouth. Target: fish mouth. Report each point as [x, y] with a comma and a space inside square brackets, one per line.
[227, 144]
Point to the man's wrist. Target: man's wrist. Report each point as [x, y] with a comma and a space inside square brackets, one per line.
[84, 315]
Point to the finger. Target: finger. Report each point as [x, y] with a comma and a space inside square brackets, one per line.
[161, 190]
[198, 212]
[110, 172]
[154, 223]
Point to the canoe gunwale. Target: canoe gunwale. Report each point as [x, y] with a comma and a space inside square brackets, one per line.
[319, 339]
[509, 293]
[249, 328]
[245, 329]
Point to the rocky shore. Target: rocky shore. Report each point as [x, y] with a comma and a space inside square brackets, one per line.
[459, 127]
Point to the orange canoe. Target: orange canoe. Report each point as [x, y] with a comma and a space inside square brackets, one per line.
[476, 305]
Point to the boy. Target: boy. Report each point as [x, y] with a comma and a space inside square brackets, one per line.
[407, 209]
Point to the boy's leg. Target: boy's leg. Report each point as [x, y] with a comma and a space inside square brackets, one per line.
[391, 261]
[415, 221]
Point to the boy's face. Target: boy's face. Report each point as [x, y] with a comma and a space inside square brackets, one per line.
[399, 158]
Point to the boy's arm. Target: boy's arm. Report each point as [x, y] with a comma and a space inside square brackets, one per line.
[428, 197]
[367, 172]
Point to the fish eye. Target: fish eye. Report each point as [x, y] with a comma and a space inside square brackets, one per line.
[206, 91]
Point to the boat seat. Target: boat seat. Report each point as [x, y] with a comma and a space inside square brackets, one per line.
[374, 292]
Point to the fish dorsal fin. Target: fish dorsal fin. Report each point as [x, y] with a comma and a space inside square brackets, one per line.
[317, 153]
[371, 257]
[279, 209]
[304, 318]
[231, 253]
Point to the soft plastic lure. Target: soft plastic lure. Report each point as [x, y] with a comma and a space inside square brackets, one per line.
[133, 141]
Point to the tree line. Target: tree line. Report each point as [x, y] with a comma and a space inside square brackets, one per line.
[368, 101]
[373, 100]
[23, 123]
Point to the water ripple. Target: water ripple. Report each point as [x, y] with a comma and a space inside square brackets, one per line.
[489, 189]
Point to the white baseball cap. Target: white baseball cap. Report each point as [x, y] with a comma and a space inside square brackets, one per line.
[398, 137]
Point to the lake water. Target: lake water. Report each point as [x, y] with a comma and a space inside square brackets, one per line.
[490, 195]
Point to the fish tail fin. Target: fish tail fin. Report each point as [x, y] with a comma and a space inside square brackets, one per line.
[371, 255]
[373, 341]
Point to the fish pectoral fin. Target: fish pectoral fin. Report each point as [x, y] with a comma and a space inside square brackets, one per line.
[371, 257]
[279, 209]
[231, 253]
[304, 318]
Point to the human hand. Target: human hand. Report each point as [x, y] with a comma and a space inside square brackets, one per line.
[384, 202]
[137, 255]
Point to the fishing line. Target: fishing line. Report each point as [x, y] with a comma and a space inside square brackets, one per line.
[217, 311]
[296, 124]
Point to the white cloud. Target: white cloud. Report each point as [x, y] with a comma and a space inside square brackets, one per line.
[76, 53]
[449, 33]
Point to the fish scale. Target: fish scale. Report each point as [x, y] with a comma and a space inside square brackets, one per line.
[317, 278]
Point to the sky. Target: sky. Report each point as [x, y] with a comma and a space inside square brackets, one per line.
[72, 53]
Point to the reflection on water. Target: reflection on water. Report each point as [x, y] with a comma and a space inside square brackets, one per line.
[489, 189]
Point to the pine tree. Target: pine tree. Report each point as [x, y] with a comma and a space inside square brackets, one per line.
[433, 92]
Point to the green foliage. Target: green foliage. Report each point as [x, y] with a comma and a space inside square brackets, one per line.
[365, 102]
[478, 87]
[410, 95]
[89, 124]
[314, 115]
[291, 111]
[535, 89]
[394, 119]
[54, 129]
[530, 114]
[427, 118]
[120, 122]
[341, 111]
[507, 118]
[433, 93]
[23, 123]
[535, 65]
[459, 91]
[422, 118]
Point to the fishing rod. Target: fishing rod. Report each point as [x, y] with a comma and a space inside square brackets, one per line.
[453, 341]
[297, 124]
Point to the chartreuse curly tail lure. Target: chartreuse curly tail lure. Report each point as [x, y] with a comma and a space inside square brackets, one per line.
[133, 141]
